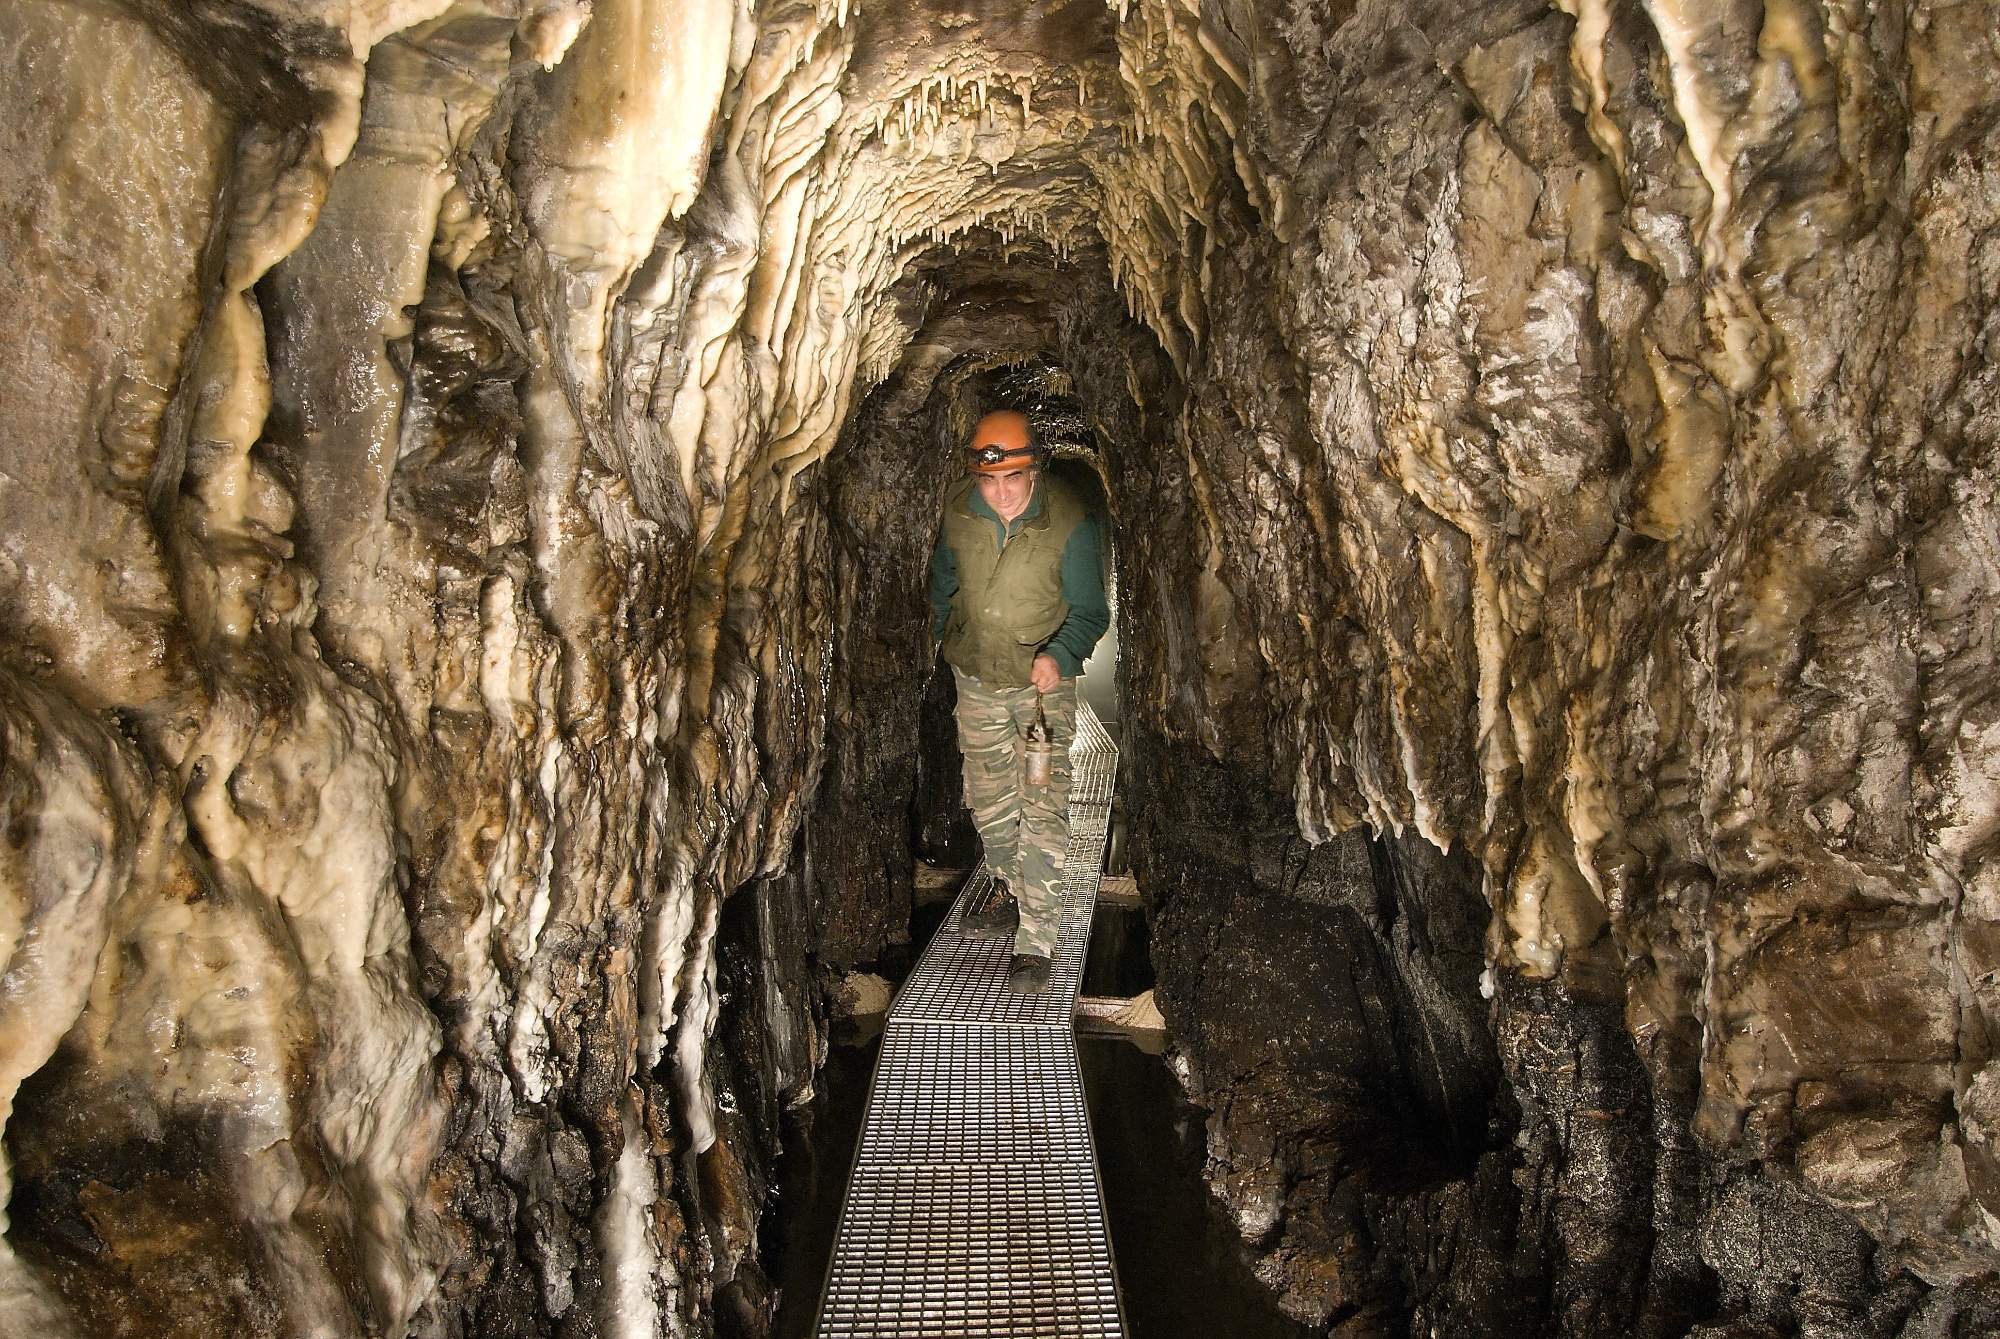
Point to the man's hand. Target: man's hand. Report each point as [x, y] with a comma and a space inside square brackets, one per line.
[1046, 674]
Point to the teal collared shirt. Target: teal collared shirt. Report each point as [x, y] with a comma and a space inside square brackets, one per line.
[1082, 583]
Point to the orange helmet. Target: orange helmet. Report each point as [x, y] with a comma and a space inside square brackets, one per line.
[1001, 442]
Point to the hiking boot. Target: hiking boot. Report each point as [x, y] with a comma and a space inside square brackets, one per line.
[993, 914]
[1028, 973]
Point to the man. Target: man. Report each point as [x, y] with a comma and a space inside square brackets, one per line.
[1017, 601]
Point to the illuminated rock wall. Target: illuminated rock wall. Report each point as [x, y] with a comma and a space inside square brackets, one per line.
[1595, 489]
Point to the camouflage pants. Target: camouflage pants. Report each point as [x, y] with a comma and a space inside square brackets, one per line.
[1025, 828]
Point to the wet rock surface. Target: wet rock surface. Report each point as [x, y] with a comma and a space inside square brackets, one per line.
[1562, 535]
[466, 472]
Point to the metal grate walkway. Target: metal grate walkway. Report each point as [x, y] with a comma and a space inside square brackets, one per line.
[974, 1207]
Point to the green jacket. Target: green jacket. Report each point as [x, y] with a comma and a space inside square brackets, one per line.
[1001, 594]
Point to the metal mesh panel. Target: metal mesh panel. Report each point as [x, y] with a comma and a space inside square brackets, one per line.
[974, 1208]
[976, 1095]
[965, 1250]
[963, 978]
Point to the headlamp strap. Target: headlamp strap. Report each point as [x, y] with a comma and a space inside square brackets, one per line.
[994, 455]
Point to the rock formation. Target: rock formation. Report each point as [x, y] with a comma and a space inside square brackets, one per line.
[466, 468]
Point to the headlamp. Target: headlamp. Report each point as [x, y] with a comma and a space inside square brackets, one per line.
[990, 455]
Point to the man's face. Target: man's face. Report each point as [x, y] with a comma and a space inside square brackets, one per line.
[1008, 491]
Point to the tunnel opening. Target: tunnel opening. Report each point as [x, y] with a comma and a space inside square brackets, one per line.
[1384, 1078]
[1155, 1177]
[1009, 322]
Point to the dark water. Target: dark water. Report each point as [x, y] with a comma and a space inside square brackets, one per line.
[819, 1154]
[1179, 1268]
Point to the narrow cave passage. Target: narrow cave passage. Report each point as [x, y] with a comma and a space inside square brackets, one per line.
[1012, 326]
[468, 733]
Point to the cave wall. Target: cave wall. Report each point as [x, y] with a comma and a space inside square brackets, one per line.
[1591, 489]
[884, 485]
[420, 601]
[403, 666]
